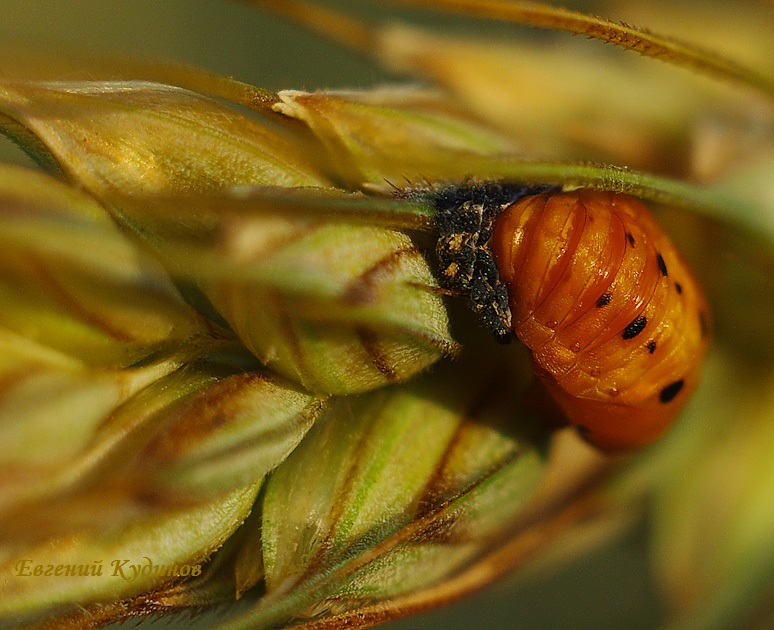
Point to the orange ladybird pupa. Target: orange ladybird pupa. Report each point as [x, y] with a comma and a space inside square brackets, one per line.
[615, 321]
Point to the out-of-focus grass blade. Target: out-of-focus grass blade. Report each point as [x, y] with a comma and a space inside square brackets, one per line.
[50, 407]
[742, 199]
[546, 96]
[722, 26]
[383, 208]
[668, 49]
[713, 543]
[365, 39]
[711, 481]
[714, 202]
[71, 280]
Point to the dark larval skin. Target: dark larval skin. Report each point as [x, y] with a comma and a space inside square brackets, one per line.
[465, 218]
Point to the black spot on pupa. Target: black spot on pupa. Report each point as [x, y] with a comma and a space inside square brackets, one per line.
[662, 265]
[635, 328]
[651, 346]
[679, 288]
[630, 238]
[670, 391]
[604, 300]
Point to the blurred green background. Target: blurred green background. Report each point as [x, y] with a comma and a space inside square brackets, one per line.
[611, 588]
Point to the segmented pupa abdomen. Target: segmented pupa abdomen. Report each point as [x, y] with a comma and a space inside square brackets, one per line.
[616, 323]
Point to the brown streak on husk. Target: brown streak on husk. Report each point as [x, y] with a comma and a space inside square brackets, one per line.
[58, 292]
[485, 396]
[291, 337]
[335, 515]
[370, 342]
[199, 419]
[362, 290]
[531, 539]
